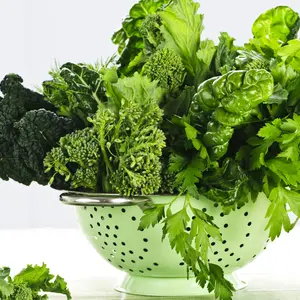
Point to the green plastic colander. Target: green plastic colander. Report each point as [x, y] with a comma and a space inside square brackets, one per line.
[111, 223]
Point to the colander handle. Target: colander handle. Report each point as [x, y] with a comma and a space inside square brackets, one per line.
[93, 199]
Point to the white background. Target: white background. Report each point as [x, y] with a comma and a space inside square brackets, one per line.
[35, 33]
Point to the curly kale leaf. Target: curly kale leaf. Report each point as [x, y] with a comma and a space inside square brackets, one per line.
[29, 128]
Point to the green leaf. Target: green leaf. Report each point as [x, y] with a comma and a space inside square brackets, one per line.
[182, 27]
[286, 171]
[277, 213]
[4, 273]
[226, 54]
[205, 55]
[291, 54]
[274, 27]
[38, 278]
[152, 216]
[6, 289]
[279, 96]
[175, 225]
[223, 288]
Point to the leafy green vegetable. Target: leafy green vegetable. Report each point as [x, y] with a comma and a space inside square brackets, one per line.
[130, 38]
[181, 29]
[167, 68]
[274, 28]
[30, 282]
[229, 101]
[225, 54]
[78, 89]
[29, 128]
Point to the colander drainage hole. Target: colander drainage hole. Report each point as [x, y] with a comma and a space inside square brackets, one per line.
[123, 244]
[91, 216]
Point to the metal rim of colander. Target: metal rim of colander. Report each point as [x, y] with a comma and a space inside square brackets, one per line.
[97, 199]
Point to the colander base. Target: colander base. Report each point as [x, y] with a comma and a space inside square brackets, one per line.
[154, 286]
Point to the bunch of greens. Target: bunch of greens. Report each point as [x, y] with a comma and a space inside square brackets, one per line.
[172, 114]
[30, 282]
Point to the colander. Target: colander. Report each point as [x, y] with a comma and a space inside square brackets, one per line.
[111, 223]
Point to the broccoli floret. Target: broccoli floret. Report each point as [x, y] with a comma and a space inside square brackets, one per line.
[167, 68]
[22, 292]
[151, 33]
[76, 159]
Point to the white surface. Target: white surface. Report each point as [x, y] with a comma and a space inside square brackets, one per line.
[34, 33]
[274, 275]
